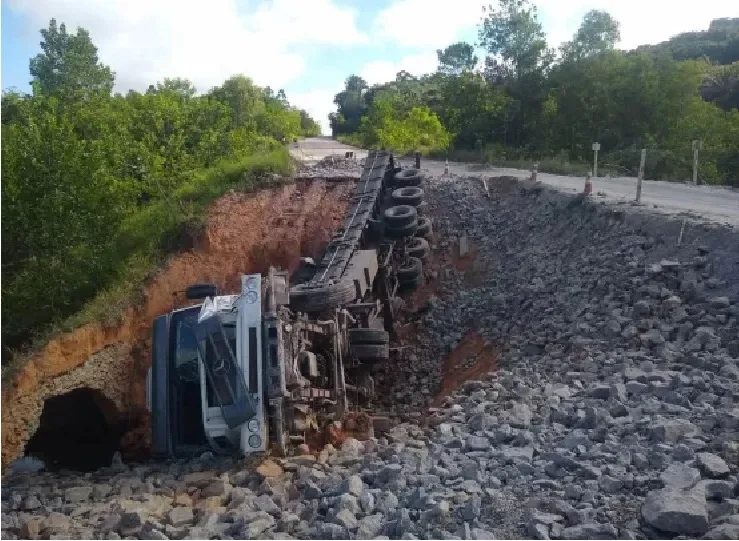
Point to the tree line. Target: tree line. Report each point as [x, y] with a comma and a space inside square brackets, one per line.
[93, 179]
[524, 100]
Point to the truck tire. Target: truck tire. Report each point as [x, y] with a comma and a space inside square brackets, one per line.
[418, 247]
[399, 216]
[410, 285]
[318, 299]
[368, 336]
[408, 177]
[410, 270]
[410, 195]
[375, 228]
[370, 353]
[424, 227]
[397, 233]
[390, 176]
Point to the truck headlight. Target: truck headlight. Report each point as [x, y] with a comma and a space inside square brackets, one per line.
[251, 297]
[253, 425]
[255, 441]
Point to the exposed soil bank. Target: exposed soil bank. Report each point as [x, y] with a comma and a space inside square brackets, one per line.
[245, 233]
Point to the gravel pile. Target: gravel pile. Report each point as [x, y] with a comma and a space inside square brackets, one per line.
[333, 166]
[614, 411]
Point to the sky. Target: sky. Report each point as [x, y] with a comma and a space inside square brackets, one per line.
[307, 47]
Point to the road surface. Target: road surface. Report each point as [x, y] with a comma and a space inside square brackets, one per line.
[716, 204]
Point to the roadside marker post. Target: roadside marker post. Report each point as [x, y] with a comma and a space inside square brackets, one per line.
[697, 145]
[640, 178]
[596, 148]
[446, 167]
[588, 185]
[418, 160]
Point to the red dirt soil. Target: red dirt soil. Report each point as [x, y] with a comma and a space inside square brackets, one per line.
[245, 233]
[471, 360]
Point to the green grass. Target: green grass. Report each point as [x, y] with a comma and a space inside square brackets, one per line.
[149, 236]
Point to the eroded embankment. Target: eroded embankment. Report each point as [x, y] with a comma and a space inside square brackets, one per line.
[245, 233]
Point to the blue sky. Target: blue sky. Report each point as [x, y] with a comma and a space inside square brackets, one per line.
[307, 47]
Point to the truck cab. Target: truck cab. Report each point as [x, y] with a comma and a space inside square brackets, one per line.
[205, 383]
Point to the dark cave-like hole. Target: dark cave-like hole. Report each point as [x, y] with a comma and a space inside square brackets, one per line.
[78, 431]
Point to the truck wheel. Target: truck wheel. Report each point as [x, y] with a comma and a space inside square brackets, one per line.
[397, 233]
[368, 336]
[390, 176]
[399, 216]
[410, 270]
[408, 177]
[424, 227]
[410, 195]
[418, 247]
[409, 285]
[318, 299]
[370, 353]
[376, 228]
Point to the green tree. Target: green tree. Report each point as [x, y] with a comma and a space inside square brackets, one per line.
[598, 32]
[245, 100]
[68, 64]
[457, 58]
[518, 58]
[514, 40]
[351, 106]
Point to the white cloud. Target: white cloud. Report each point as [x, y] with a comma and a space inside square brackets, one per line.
[144, 40]
[425, 24]
[381, 71]
[318, 103]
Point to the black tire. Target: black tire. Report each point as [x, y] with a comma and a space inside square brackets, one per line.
[410, 195]
[376, 228]
[368, 336]
[411, 269]
[318, 299]
[408, 177]
[390, 175]
[418, 247]
[397, 233]
[409, 285]
[370, 353]
[399, 216]
[424, 227]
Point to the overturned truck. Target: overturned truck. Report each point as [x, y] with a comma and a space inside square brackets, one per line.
[276, 364]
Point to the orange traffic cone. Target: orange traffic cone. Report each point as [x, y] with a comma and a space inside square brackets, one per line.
[588, 186]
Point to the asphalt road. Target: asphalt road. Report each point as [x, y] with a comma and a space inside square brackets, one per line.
[716, 204]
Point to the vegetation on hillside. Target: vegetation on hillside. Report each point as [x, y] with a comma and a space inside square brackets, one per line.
[529, 102]
[97, 187]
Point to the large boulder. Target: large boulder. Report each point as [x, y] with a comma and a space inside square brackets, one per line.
[677, 511]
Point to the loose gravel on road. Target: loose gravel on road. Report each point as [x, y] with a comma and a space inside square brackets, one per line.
[612, 413]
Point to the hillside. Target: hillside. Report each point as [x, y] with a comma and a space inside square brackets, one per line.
[719, 43]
